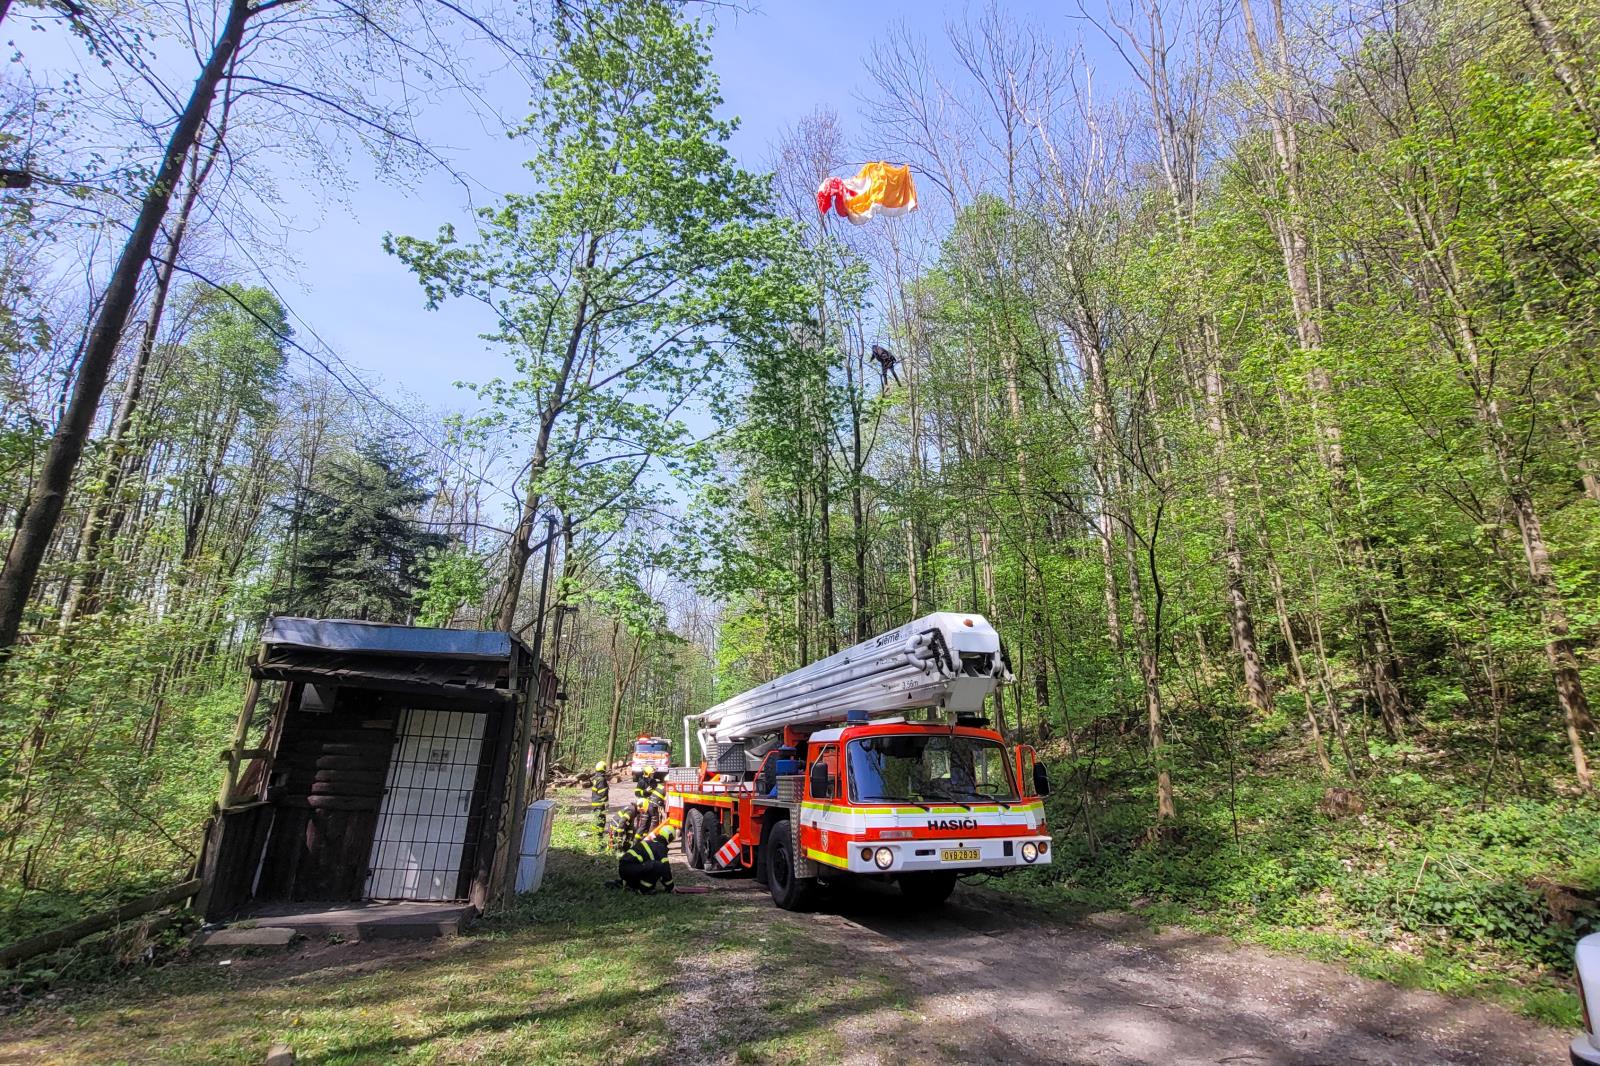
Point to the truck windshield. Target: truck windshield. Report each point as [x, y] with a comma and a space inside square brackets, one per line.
[914, 768]
[652, 747]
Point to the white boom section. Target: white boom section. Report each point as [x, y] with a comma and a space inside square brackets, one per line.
[946, 660]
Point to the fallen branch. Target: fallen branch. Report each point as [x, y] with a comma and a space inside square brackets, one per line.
[12, 954]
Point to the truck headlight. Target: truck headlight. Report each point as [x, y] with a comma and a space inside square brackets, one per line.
[1030, 852]
[883, 858]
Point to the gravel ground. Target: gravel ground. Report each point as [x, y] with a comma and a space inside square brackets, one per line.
[985, 979]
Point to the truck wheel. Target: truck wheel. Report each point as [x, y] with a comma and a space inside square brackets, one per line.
[790, 892]
[692, 848]
[927, 889]
[711, 839]
[705, 840]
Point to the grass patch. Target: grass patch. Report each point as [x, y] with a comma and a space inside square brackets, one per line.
[575, 973]
[1429, 888]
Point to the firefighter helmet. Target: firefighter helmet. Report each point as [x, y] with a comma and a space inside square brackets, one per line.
[601, 765]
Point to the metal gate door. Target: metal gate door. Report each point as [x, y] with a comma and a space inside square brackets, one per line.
[427, 802]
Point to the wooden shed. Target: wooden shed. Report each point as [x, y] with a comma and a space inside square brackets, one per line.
[396, 764]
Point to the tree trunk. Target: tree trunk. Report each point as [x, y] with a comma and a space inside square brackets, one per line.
[1480, 379]
[49, 496]
[1280, 603]
[830, 629]
[1567, 72]
[1588, 472]
[82, 592]
[911, 571]
[802, 620]
[858, 521]
[1149, 647]
[621, 678]
[1558, 646]
[1257, 688]
[1289, 226]
[505, 610]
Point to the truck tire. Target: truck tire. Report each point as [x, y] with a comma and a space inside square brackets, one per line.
[711, 839]
[693, 846]
[927, 889]
[789, 892]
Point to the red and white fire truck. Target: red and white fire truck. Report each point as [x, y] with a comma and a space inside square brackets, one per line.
[874, 762]
[650, 753]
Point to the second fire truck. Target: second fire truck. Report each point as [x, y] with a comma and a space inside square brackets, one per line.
[875, 762]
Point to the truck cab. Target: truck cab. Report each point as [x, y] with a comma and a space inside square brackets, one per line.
[919, 803]
[895, 797]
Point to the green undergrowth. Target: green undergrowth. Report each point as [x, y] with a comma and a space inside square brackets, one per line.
[1434, 885]
[576, 973]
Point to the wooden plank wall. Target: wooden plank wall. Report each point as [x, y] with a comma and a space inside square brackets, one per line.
[233, 853]
[327, 784]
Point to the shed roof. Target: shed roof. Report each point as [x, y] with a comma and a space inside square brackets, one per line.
[455, 663]
[380, 638]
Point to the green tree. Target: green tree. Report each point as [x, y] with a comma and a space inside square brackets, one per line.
[453, 578]
[361, 547]
[621, 283]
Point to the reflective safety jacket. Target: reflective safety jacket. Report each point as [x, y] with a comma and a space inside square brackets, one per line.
[650, 848]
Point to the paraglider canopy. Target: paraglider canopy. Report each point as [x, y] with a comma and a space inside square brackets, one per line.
[879, 188]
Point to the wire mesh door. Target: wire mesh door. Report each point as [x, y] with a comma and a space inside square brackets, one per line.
[426, 812]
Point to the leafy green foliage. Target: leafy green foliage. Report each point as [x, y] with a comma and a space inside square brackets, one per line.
[641, 258]
[452, 578]
[361, 552]
[1123, 430]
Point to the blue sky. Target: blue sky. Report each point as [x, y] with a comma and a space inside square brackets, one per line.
[776, 65]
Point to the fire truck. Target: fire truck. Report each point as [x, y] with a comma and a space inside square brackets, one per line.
[650, 753]
[875, 762]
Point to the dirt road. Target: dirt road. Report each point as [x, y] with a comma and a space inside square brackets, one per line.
[985, 979]
[1025, 989]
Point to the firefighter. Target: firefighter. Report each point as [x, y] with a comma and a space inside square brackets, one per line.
[599, 793]
[644, 867]
[629, 825]
[655, 797]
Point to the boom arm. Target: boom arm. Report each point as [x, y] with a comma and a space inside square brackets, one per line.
[945, 660]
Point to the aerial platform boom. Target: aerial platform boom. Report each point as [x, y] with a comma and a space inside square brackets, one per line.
[945, 660]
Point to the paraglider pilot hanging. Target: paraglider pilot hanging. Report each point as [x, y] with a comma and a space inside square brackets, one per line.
[885, 361]
[880, 189]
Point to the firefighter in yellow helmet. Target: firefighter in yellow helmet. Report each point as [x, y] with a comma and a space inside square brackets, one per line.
[599, 794]
[655, 796]
[644, 867]
[627, 825]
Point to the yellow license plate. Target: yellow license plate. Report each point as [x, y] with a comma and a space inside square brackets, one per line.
[960, 855]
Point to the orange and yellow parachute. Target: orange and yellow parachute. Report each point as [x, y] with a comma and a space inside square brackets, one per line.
[879, 189]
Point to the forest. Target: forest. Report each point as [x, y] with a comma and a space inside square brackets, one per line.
[1254, 398]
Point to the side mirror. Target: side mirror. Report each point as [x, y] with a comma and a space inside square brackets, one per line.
[821, 781]
[1032, 778]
